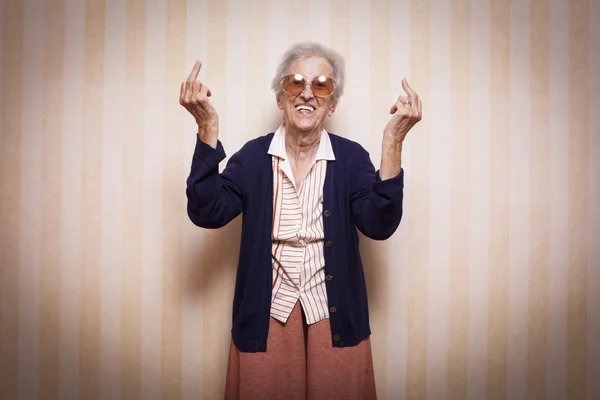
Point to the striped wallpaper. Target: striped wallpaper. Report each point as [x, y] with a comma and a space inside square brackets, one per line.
[490, 289]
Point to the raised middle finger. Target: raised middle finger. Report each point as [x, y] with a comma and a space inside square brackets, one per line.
[195, 71]
[409, 91]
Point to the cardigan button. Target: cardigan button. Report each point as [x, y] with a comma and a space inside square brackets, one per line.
[327, 213]
[329, 278]
[328, 244]
[333, 309]
[336, 338]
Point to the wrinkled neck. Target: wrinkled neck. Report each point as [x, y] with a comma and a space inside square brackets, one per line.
[302, 145]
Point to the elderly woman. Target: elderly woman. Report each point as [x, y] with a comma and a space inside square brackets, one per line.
[300, 313]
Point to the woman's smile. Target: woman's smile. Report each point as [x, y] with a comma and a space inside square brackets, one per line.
[305, 109]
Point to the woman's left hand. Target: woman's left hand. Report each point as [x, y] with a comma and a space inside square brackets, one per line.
[406, 113]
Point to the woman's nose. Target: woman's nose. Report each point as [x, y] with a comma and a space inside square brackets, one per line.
[307, 92]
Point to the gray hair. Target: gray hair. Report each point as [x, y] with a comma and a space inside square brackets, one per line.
[306, 50]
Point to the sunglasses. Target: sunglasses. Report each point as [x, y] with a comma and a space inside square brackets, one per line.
[321, 86]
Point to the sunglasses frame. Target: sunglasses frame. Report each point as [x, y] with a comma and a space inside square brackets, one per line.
[309, 83]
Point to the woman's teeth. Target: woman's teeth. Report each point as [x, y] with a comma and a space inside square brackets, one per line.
[305, 108]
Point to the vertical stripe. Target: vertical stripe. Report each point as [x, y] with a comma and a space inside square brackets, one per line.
[234, 113]
[593, 261]
[132, 163]
[398, 246]
[558, 219]
[10, 164]
[376, 261]
[258, 92]
[173, 204]
[215, 269]
[277, 33]
[1, 52]
[418, 204]
[458, 304]
[499, 207]
[152, 200]
[440, 164]
[71, 200]
[480, 195]
[537, 327]
[578, 196]
[519, 178]
[358, 71]
[111, 209]
[193, 376]
[31, 205]
[91, 200]
[49, 306]
[340, 28]
[297, 13]
[319, 15]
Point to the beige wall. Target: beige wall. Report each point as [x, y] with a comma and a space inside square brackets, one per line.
[489, 289]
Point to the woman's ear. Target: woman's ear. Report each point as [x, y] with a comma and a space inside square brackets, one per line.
[331, 109]
[279, 105]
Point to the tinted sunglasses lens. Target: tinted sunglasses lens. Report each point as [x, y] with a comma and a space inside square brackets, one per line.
[294, 84]
[322, 86]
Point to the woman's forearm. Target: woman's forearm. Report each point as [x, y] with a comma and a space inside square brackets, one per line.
[391, 157]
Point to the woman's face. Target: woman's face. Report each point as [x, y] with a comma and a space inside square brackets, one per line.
[306, 112]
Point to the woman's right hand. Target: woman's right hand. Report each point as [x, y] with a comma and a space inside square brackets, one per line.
[194, 96]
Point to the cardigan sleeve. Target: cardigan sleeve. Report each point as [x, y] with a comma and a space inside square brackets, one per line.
[214, 199]
[376, 205]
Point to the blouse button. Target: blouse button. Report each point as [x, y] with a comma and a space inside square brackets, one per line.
[327, 213]
[328, 244]
[333, 309]
[336, 338]
[329, 278]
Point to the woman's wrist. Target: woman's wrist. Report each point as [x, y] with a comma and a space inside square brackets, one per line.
[208, 136]
[391, 157]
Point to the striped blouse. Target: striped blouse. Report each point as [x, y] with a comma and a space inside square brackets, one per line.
[297, 234]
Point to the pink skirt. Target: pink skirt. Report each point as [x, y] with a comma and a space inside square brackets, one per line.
[301, 363]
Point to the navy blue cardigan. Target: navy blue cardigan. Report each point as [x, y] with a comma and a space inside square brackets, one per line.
[354, 196]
